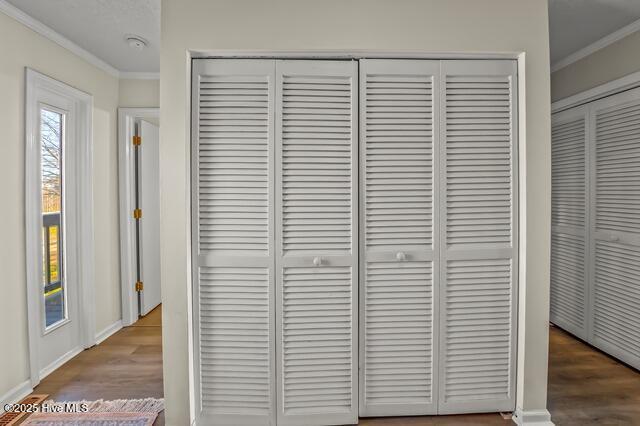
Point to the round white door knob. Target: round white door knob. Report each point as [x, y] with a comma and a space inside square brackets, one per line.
[401, 256]
[615, 238]
[317, 261]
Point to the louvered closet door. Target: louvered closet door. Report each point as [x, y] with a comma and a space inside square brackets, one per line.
[397, 310]
[616, 226]
[316, 143]
[479, 232]
[569, 221]
[233, 238]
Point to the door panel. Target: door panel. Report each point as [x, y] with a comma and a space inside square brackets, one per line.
[233, 240]
[569, 221]
[149, 172]
[616, 226]
[316, 263]
[398, 123]
[479, 252]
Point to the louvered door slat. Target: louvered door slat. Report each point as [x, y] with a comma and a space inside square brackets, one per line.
[479, 254]
[232, 156]
[398, 124]
[317, 235]
[569, 220]
[616, 226]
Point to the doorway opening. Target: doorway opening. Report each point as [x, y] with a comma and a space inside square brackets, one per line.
[139, 138]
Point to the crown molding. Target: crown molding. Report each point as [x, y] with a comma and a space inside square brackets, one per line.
[140, 75]
[597, 45]
[50, 34]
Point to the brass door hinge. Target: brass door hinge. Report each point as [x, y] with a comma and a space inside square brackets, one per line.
[139, 286]
[137, 213]
[137, 140]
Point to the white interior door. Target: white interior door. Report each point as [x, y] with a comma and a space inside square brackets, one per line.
[233, 240]
[569, 220]
[398, 309]
[615, 226]
[479, 234]
[316, 244]
[149, 196]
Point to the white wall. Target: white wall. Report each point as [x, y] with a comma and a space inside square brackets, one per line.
[139, 93]
[612, 62]
[19, 48]
[425, 25]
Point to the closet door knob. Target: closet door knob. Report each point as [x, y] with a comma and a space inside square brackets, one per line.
[401, 256]
[317, 261]
[615, 238]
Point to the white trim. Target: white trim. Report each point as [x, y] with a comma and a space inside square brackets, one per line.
[126, 130]
[108, 332]
[597, 45]
[346, 54]
[16, 394]
[59, 362]
[59, 39]
[37, 85]
[627, 82]
[140, 75]
[532, 417]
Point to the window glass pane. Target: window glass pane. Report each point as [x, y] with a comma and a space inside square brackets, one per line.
[51, 141]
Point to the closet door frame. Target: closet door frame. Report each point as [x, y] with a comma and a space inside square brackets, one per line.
[243, 55]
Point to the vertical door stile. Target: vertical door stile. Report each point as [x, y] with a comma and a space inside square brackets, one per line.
[316, 261]
[398, 309]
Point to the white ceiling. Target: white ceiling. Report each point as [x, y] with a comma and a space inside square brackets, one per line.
[100, 26]
[575, 24]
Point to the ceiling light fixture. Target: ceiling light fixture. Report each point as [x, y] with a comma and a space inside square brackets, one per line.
[135, 42]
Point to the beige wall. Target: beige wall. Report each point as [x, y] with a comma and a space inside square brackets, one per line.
[139, 93]
[612, 62]
[425, 25]
[19, 48]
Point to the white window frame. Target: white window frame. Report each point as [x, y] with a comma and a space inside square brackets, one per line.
[127, 118]
[79, 130]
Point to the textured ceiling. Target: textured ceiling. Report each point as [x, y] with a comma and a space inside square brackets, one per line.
[574, 24]
[99, 26]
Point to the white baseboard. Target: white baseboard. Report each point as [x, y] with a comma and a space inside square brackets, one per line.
[16, 394]
[532, 417]
[58, 362]
[108, 332]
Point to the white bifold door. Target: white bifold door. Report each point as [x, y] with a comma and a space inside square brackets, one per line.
[354, 239]
[595, 252]
[439, 236]
[275, 221]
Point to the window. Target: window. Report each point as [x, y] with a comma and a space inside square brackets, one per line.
[51, 157]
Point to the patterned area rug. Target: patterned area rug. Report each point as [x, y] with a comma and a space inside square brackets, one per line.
[121, 412]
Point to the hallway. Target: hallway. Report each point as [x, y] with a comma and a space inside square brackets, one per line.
[586, 387]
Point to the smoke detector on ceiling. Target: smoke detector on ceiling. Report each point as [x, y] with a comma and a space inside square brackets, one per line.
[135, 42]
